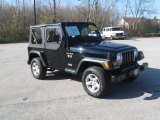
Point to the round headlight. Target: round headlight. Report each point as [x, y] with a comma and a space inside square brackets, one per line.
[119, 58]
[135, 53]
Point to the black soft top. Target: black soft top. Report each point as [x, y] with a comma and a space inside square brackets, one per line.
[63, 24]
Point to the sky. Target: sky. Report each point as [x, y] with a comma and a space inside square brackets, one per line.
[155, 5]
[155, 8]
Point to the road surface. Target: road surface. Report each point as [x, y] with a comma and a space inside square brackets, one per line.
[61, 97]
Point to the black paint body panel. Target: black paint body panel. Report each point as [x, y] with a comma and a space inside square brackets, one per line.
[68, 55]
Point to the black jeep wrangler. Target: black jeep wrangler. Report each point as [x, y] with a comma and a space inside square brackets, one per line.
[78, 48]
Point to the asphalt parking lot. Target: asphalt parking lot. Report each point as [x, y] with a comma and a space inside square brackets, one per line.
[61, 97]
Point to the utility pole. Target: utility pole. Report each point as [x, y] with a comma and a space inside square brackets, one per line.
[55, 11]
[35, 18]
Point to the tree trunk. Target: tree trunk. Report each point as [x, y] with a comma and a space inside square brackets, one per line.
[3, 32]
[96, 11]
[89, 11]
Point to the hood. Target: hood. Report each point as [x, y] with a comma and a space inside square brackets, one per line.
[101, 48]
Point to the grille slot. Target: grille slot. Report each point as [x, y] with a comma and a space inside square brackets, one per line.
[119, 34]
[128, 57]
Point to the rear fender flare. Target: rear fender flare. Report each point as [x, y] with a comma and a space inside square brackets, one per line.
[44, 63]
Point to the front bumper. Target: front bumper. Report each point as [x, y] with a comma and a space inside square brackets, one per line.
[128, 72]
[118, 37]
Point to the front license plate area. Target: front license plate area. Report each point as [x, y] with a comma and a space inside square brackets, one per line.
[129, 74]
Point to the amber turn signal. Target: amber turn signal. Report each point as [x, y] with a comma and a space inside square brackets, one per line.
[106, 64]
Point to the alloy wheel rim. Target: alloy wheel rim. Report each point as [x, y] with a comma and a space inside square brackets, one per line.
[92, 83]
[35, 69]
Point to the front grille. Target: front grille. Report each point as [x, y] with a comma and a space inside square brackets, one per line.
[119, 34]
[128, 57]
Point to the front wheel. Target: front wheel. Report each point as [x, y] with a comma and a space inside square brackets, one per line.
[95, 81]
[38, 71]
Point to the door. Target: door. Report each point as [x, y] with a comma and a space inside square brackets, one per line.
[55, 51]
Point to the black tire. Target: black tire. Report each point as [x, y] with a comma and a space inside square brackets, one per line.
[42, 70]
[103, 79]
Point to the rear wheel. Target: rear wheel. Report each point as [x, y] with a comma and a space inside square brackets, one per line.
[38, 71]
[95, 81]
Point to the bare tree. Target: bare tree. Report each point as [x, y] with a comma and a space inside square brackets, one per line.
[16, 18]
[96, 3]
[85, 3]
[53, 9]
[109, 13]
[23, 14]
[139, 8]
[126, 8]
[1, 25]
[89, 10]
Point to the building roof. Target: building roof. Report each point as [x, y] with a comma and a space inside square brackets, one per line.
[132, 21]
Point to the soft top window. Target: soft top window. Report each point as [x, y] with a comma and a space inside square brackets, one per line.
[72, 30]
[53, 35]
[36, 36]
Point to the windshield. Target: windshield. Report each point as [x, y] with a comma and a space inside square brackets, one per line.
[84, 33]
[117, 29]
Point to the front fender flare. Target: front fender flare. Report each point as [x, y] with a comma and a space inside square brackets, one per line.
[94, 60]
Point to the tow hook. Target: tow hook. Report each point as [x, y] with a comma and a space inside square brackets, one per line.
[144, 66]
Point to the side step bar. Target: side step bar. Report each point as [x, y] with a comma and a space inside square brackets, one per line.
[70, 71]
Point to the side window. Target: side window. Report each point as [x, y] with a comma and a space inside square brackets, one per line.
[53, 35]
[36, 36]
